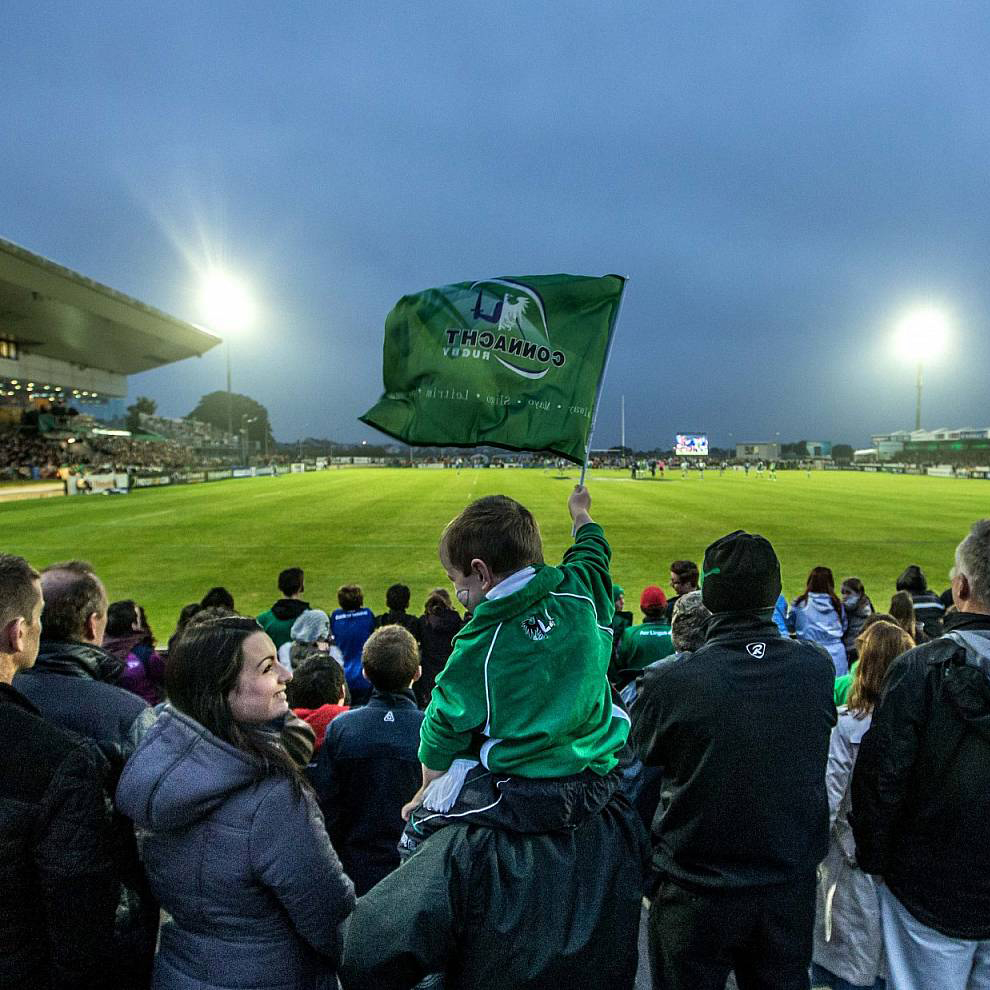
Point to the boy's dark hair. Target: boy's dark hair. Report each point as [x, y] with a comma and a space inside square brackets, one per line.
[397, 598]
[350, 597]
[686, 570]
[18, 595]
[390, 658]
[121, 617]
[497, 530]
[290, 581]
[317, 681]
[218, 597]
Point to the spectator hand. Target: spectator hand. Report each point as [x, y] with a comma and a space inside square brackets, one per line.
[579, 505]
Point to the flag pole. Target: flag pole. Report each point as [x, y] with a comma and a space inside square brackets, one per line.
[601, 380]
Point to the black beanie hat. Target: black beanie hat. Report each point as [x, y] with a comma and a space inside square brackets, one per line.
[741, 573]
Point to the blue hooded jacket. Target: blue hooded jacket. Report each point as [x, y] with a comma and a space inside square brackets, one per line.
[815, 621]
[242, 864]
[780, 616]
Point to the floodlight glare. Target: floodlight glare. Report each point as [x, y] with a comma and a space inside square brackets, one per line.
[922, 334]
[226, 302]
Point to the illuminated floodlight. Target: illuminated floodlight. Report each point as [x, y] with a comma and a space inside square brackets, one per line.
[922, 334]
[226, 301]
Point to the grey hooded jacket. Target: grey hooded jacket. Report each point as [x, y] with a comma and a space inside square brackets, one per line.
[241, 863]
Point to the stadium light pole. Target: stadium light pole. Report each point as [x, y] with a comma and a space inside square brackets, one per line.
[921, 335]
[229, 309]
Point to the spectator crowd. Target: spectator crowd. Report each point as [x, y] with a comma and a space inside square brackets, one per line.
[25, 455]
[490, 791]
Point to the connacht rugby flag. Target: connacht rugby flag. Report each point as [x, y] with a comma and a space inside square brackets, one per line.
[511, 362]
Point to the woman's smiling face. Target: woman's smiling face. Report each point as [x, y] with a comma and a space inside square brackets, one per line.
[259, 694]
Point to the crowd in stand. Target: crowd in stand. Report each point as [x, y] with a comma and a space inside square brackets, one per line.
[798, 791]
[27, 455]
[21, 452]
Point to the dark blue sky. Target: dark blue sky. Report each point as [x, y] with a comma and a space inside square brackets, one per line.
[779, 180]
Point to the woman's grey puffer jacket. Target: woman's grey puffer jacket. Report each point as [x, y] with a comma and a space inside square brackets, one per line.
[243, 866]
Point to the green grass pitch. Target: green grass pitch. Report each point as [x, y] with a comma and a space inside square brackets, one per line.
[379, 526]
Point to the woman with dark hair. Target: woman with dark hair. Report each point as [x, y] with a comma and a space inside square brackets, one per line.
[848, 947]
[902, 609]
[817, 616]
[858, 609]
[438, 625]
[128, 638]
[233, 842]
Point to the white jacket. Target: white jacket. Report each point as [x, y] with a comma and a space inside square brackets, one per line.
[848, 940]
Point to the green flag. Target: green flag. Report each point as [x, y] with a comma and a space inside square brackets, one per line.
[510, 362]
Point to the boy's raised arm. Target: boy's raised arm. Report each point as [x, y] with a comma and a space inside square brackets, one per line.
[579, 505]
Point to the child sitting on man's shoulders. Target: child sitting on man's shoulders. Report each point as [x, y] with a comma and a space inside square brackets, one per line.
[522, 714]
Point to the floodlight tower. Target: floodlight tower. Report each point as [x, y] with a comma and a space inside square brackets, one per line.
[921, 335]
[229, 309]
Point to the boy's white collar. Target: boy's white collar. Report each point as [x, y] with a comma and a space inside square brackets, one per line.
[511, 584]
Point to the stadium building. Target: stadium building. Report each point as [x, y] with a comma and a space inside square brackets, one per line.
[965, 445]
[758, 451]
[66, 340]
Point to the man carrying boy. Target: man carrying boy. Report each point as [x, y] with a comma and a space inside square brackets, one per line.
[524, 691]
[367, 767]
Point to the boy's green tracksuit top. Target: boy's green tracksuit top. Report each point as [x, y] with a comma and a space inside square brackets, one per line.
[526, 679]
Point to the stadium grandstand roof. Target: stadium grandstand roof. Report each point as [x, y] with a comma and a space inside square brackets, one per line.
[53, 312]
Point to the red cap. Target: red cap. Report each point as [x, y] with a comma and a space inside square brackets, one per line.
[652, 597]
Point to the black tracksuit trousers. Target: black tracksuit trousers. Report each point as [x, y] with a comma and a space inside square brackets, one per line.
[764, 934]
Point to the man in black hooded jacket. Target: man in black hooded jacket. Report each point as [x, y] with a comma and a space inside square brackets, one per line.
[58, 886]
[71, 684]
[921, 793]
[741, 728]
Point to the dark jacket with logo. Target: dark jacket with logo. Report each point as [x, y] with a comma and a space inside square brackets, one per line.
[367, 769]
[554, 904]
[278, 620]
[58, 886]
[68, 685]
[921, 787]
[741, 728]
